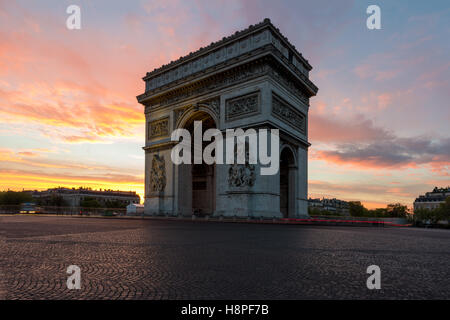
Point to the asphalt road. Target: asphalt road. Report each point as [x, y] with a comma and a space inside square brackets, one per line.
[149, 259]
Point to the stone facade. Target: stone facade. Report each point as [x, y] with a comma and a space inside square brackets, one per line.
[432, 200]
[252, 79]
[334, 205]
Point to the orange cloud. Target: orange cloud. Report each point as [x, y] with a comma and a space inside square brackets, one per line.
[93, 120]
[27, 154]
[12, 159]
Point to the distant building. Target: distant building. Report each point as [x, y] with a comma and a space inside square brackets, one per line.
[433, 199]
[73, 197]
[330, 205]
[135, 209]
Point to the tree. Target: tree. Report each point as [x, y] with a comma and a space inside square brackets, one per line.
[356, 209]
[423, 214]
[314, 211]
[444, 209]
[54, 201]
[115, 204]
[434, 215]
[378, 212]
[397, 210]
[89, 202]
[14, 198]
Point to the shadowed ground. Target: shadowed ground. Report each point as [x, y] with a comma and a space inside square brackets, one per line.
[150, 259]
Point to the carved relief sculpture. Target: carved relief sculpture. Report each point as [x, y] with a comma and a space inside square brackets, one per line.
[230, 77]
[288, 113]
[242, 175]
[242, 106]
[158, 128]
[214, 104]
[158, 174]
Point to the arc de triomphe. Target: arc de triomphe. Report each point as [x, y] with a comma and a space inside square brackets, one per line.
[253, 79]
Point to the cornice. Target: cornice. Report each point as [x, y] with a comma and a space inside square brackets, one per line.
[225, 51]
[226, 41]
[261, 55]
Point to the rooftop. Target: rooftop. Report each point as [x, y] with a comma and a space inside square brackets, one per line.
[438, 194]
[436, 190]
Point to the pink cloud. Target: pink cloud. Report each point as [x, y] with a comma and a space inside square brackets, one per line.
[391, 154]
[328, 128]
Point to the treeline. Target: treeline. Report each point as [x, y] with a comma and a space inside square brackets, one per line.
[90, 202]
[395, 210]
[357, 209]
[434, 215]
[14, 198]
[18, 197]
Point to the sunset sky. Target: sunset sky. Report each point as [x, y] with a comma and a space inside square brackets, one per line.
[379, 126]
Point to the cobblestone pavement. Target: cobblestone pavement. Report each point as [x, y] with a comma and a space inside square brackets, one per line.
[150, 259]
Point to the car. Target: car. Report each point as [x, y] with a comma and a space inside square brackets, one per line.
[29, 207]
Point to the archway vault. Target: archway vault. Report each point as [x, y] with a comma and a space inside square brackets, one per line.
[288, 178]
[193, 111]
[286, 146]
[197, 181]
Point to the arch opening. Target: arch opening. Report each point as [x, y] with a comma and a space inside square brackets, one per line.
[198, 181]
[288, 172]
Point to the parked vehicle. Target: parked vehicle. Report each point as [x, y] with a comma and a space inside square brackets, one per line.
[29, 207]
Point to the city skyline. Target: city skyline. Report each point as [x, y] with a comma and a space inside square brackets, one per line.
[378, 125]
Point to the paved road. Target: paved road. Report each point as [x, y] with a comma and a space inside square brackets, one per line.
[149, 259]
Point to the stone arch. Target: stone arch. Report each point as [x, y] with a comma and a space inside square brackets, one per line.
[196, 182]
[191, 112]
[292, 150]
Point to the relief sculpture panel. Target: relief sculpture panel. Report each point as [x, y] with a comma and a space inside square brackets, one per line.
[158, 128]
[284, 111]
[242, 106]
[158, 174]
